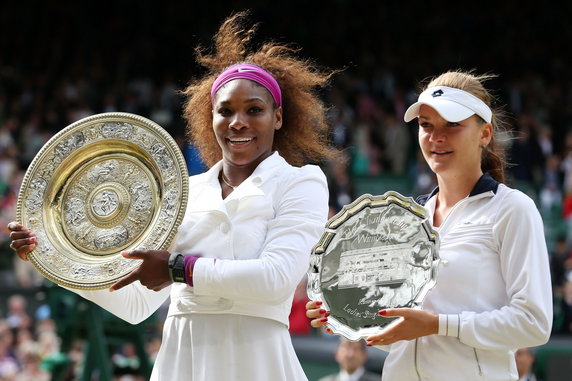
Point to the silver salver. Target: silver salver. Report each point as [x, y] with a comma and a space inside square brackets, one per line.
[378, 252]
[106, 183]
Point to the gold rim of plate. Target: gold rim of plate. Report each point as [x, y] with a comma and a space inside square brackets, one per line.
[104, 184]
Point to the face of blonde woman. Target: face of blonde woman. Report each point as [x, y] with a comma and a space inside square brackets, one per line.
[244, 122]
[452, 148]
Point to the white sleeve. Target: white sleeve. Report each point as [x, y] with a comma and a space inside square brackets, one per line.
[526, 319]
[301, 214]
[132, 303]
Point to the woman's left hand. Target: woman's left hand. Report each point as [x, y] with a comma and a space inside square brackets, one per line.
[153, 272]
[415, 323]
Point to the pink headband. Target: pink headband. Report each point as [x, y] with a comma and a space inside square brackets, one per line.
[253, 73]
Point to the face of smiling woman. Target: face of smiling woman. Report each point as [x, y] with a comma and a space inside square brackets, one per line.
[244, 122]
[452, 149]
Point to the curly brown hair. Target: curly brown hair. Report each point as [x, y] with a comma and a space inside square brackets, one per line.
[304, 136]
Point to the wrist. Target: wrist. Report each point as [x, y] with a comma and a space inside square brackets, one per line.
[177, 267]
[190, 261]
[449, 325]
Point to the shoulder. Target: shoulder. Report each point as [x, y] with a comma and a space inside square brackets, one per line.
[513, 209]
[198, 179]
[288, 175]
[514, 199]
[308, 172]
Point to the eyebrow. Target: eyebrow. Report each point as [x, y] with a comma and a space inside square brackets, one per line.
[250, 100]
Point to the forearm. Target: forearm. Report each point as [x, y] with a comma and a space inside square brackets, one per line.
[133, 303]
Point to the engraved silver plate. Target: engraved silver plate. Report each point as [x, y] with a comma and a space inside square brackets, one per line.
[106, 183]
[378, 252]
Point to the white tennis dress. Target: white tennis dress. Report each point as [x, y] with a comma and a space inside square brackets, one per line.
[254, 247]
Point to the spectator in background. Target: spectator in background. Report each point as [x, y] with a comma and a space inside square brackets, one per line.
[563, 308]
[30, 361]
[299, 322]
[17, 317]
[566, 163]
[126, 364]
[351, 356]
[340, 185]
[560, 264]
[524, 364]
[527, 159]
[396, 143]
[8, 363]
[550, 196]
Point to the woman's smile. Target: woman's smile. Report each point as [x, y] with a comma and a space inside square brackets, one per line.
[239, 142]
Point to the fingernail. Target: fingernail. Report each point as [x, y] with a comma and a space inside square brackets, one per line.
[327, 314]
[382, 312]
[324, 319]
[329, 330]
[322, 311]
[318, 303]
[368, 345]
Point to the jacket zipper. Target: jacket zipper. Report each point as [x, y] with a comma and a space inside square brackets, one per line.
[415, 361]
[458, 204]
[478, 362]
[441, 228]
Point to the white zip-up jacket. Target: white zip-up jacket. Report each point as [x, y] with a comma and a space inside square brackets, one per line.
[493, 292]
[261, 236]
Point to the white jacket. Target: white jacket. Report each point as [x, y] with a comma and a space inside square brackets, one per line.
[261, 234]
[493, 292]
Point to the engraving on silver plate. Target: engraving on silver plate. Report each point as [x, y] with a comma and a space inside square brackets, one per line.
[378, 252]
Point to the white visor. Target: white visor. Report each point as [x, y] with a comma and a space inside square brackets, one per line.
[452, 104]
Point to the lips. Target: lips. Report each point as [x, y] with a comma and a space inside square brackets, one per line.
[239, 140]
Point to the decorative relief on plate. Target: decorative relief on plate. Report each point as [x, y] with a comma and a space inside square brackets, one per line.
[107, 183]
[378, 252]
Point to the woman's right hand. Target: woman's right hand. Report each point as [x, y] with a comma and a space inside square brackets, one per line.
[318, 315]
[23, 240]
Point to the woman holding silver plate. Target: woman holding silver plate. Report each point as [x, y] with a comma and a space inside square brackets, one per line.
[493, 292]
[250, 223]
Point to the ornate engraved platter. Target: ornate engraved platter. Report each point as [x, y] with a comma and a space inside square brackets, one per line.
[106, 183]
[378, 252]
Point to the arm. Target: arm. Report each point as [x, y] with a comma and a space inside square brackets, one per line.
[301, 212]
[526, 319]
[133, 303]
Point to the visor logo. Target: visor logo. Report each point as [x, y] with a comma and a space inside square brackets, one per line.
[437, 93]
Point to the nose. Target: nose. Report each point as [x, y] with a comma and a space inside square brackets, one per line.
[238, 122]
[438, 134]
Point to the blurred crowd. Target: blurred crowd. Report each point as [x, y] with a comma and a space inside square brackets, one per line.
[51, 88]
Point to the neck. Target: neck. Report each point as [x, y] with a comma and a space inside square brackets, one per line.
[226, 181]
[455, 188]
[232, 177]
